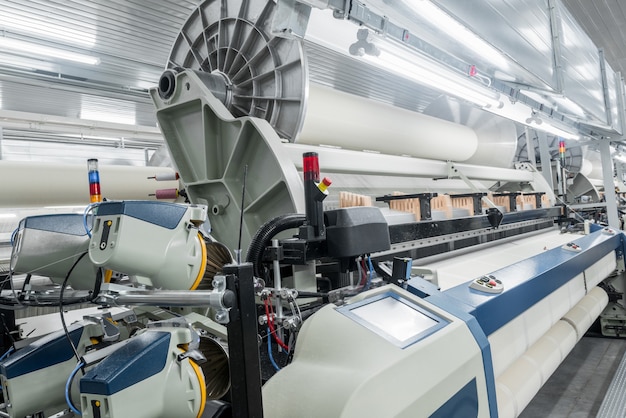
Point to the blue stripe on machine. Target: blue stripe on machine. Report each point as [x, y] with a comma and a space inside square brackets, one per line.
[164, 214]
[525, 283]
[144, 356]
[529, 281]
[464, 403]
[45, 352]
[453, 307]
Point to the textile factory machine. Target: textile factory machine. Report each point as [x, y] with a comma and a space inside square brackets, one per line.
[382, 310]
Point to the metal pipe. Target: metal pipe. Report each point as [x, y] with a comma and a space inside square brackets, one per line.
[164, 298]
[544, 155]
[609, 186]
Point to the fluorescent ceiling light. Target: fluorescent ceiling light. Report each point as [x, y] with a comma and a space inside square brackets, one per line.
[520, 112]
[8, 215]
[27, 48]
[66, 34]
[423, 71]
[23, 63]
[104, 116]
[456, 30]
[537, 123]
[103, 110]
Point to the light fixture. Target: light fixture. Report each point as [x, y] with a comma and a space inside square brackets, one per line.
[426, 72]
[66, 34]
[535, 122]
[103, 110]
[7, 215]
[27, 48]
[447, 24]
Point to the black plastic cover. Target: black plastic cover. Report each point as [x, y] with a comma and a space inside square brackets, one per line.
[354, 231]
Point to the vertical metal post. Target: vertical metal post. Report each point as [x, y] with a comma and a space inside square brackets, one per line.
[544, 155]
[609, 186]
[243, 347]
[530, 147]
[619, 171]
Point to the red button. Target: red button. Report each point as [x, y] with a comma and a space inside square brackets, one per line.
[492, 282]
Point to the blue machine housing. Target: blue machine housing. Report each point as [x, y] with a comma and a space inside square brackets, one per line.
[45, 352]
[164, 214]
[525, 284]
[144, 356]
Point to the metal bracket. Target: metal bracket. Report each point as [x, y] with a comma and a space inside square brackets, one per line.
[291, 18]
[556, 45]
[454, 172]
[194, 355]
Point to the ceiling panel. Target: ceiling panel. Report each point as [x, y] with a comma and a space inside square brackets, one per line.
[132, 39]
[605, 23]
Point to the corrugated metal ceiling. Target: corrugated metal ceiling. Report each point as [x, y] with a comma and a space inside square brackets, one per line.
[132, 39]
[605, 23]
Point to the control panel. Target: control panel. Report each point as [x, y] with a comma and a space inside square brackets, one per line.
[571, 246]
[487, 284]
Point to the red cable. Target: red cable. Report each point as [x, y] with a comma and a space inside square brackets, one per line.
[271, 325]
[363, 278]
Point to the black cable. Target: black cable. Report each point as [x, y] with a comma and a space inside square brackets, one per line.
[263, 237]
[243, 198]
[97, 285]
[26, 282]
[67, 333]
[6, 329]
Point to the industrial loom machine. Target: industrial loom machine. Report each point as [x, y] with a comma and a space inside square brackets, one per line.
[338, 256]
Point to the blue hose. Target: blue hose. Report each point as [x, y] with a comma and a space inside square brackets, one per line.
[370, 273]
[269, 350]
[13, 237]
[6, 354]
[88, 209]
[68, 388]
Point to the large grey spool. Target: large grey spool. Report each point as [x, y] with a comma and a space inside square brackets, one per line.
[268, 76]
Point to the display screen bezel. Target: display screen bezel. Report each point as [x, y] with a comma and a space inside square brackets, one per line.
[349, 311]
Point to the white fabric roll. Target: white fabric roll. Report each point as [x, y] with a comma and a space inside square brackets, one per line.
[347, 121]
[26, 184]
[521, 381]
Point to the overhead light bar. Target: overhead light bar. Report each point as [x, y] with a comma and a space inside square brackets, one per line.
[46, 51]
[423, 71]
[85, 37]
[538, 123]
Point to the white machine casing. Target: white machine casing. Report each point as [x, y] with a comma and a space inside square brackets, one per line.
[178, 390]
[42, 389]
[171, 255]
[365, 375]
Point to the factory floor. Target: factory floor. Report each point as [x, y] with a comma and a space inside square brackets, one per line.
[577, 387]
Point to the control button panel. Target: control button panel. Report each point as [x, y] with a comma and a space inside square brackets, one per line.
[488, 284]
[608, 231]
[570, 246]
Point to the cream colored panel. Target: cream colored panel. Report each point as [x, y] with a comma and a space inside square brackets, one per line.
[462, 268]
